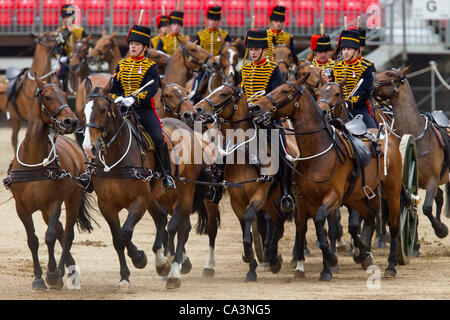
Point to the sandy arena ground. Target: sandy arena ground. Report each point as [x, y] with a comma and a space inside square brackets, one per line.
[426, 277]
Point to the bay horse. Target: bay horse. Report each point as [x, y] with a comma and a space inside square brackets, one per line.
[38, 179]
[20, 109]
[187, 58]
[323, 176]
[284, 58]
[127, 182]
[160, 57]
[432, 158]
[105, 50]
[228, 107]
[78, 66]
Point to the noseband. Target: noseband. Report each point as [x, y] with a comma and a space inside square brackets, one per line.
[332, 107]
[43, 107]
[220, 107]
[169, 109]
[278, 106]
[202, 65]
[395, 82]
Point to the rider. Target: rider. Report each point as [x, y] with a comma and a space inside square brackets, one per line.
[262, 76]
[276, 35]
[162, 23]
[362, 42]
[169, 43]
[321, 48]
[67, 34]
[359, 83]
[211, 38]
[133, 73]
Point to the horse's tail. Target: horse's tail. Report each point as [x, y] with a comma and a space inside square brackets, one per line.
[84, 217]
[447, 200]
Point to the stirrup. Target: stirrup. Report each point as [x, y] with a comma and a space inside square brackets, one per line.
[168, 183]
[287, 208]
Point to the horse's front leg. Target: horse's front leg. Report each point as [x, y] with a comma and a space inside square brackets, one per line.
[159, 215]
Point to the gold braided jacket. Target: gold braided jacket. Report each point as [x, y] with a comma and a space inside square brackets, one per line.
[256, 77]
[280, 38]
[211, 40]
[171, 43]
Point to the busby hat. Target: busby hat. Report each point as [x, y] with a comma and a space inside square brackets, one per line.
[320, 42]
[277, 13]
[214, 13]
[67, 10]
[349, 39]
[139, 34]
[256, 38]
[176, 17]
[362, 35]
[161, 21]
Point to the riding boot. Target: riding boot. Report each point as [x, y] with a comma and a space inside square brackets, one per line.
[287, 202]
[162, 152]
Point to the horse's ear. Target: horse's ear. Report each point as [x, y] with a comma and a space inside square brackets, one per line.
[404, 71]
[108, 87]
[86, 39]
[162, 83]
[196, 41]
[38, 80]
[342, 82]
[88, 85]
[237, 42]
[104, 33]
[34, 36]
[295, 58]
[113, 35]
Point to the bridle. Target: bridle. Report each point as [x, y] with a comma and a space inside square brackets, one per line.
[298, 91]
[56, 124]
[168, 108]
[103, 55]
[201, 64]
[339, 101]
[395, 82]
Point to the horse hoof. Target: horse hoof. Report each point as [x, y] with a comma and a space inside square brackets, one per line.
[208, 272]
[140, 260]
[163, 270]
[124, 286]
[306, 252]
[332, 260]
[350, 253]
[381, 245]
[186, 266]
[275, 268]
[293, 263]
[325, 276]
[317, 244]
[173, 283]
[251, 277]
[334, 269]
[38, 285]
[390, 273]
[441, 230]
[356, 257]
[54, 279]
[415, 253]
[341, 248]
[263, 267]
[298, 274]
[368, 261]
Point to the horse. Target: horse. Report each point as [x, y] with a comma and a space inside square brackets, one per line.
[19, 108]
[38, 180]
[310, 76]
[228, 107]
[160, 57]
[324, 177]
[284, 58]
[105, 50]
[187, 58]
[432, 158]
[78, 66]
[113, 138]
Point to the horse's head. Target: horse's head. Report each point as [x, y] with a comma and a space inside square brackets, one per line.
[196, 57]
[46, 39]
[222, 103]
[331, 99]
[103, 48]
[283, 56]
[55, 111]
[280, 102]
[387, 83]
[175, 101]
[100, 111]
[229, 58]
[79, 55]
[309, 75]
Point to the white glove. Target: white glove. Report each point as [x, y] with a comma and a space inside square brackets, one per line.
[118, 100]
[128, 101]
[63, 59]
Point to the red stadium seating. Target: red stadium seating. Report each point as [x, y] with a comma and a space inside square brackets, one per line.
[25, 12]
[52, 12]
[6, 12]
[94, 11]
[192, 13]
[234, 12]
[304, 11]
[331, 13]
[289, 9]
[367, 3]
[147, 16]
[352, 9]
[207, 3]
[169, 5]
[261, 12]
[122, 10]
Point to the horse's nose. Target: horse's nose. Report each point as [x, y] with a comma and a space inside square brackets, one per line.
[188, 116]
[254, 108]
[198, 110]
[70, 124]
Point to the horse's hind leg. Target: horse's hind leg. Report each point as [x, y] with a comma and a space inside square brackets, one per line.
[439, 199]
[159, 215]
[211, 227]
[33, 244]
[440, 229]
[360, 252]
[329, 258]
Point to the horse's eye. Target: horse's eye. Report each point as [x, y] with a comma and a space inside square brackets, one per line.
[194, 50]
[103, 110]
[223, 95]
[284, 92]
[167, 95]
[337, 94]
[48, 98]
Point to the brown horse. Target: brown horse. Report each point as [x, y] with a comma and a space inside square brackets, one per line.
[432, 165]
[78, 67]
[228, 107]
[187, 58]
[161, 58]
[37, 178]
[323, 175]
[106, 50]
[24, 101]
[113, 138]
[284, 58]
[310, 76]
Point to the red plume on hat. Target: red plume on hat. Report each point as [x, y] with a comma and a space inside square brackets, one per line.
[314, 40]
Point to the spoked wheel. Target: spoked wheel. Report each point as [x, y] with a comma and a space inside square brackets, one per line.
[409, 199]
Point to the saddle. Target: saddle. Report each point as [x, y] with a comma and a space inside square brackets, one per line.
[14, 75]
[440, 119]
[439, 128]
[356, 126]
